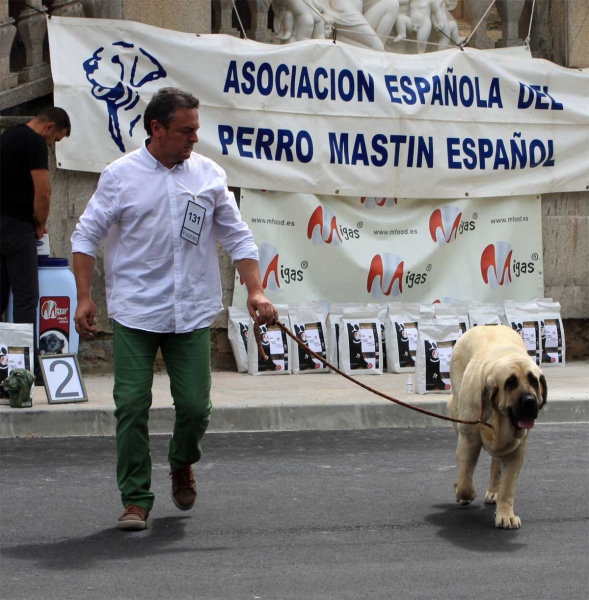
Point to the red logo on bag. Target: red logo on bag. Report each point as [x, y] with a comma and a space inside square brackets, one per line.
[385, 277]
[496, 264]
[51, 310]
[55, 313]
[444, 223]
[322, 228]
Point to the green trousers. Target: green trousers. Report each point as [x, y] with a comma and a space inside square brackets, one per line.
[187, 358]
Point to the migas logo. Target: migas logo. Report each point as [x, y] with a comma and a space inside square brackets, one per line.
[49, 310]
[498, 266]
[272, 273]
[385, 277]
[322, 228]
[446, 223]
[371, 202]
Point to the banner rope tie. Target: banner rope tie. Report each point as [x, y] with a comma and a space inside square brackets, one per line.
[44, 13]
[362, 385]
[239, 19]
[529, 38]
[477, 25]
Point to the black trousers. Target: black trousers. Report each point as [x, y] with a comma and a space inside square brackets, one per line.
[19, 272]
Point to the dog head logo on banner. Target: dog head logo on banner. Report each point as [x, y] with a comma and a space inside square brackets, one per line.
[444, 223]
[322, 228]
[496, 264]
[385, 277]
[115, 74]
[371, 202]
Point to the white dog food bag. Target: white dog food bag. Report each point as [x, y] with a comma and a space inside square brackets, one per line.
[551, 334]
[307, 324]
[336, 311]
[238, 332]
[458, 311]
[524, 318]
[276, 345]
[483, 315]
[435, 344]
[17, 349]
[360, 350]
[401, 331]
[427, 311]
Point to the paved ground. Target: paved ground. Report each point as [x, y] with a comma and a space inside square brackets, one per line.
[286, 402]
[296, 515]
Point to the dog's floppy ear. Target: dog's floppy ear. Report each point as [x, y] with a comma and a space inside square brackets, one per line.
[544, 390]
[488, 396]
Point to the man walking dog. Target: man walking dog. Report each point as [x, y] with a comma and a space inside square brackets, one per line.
[162, 209]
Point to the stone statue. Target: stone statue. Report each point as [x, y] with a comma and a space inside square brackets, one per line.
[381, 15]
[375, 24]
[443, 22]
[348, 16]
[403, 23]
[296, 20]
[420, 14]
[18, 387]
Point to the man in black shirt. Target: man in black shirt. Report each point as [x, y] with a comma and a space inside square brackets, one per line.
[24, 207]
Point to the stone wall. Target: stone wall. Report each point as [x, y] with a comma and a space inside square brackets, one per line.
[560, 33]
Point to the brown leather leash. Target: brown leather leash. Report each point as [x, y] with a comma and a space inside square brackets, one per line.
[362, 385]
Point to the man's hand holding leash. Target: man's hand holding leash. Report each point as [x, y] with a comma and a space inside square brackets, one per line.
[261, 310]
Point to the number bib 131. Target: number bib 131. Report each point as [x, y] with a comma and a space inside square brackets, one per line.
[193, 221]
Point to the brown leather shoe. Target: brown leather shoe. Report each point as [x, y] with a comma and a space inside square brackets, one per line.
[183, 487]
[134, 518]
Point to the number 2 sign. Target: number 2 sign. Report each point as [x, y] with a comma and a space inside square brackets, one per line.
[63, 381]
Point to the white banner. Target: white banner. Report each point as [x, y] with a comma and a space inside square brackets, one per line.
[319, 117]
[354, 249]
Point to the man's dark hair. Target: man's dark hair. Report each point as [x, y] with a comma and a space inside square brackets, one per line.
[164, 104]
[54, 114]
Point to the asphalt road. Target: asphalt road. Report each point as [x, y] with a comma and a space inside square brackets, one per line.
[301, 515]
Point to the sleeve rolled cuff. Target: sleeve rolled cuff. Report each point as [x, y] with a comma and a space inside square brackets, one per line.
[253, 254]
[83, 247]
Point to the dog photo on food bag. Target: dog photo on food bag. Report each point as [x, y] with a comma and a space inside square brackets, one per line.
[493, 375]
[433, 376]
[51, 344]
[357, 360]
[265, 364]
[305, 359]
[405, 357]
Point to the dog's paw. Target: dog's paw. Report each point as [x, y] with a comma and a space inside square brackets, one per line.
[507, 521]
[464, 497]
[491, 497]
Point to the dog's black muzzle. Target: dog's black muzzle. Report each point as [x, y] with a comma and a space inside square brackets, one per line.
[526, 408]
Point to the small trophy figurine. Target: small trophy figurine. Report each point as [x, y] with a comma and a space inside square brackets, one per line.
[18, 387]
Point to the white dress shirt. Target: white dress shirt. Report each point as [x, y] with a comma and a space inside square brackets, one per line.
[156, 280]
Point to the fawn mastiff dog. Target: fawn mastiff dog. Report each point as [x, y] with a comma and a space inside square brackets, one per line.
[492, 374]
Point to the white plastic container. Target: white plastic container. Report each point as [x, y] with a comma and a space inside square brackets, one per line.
[56, 329]
[43, 247]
